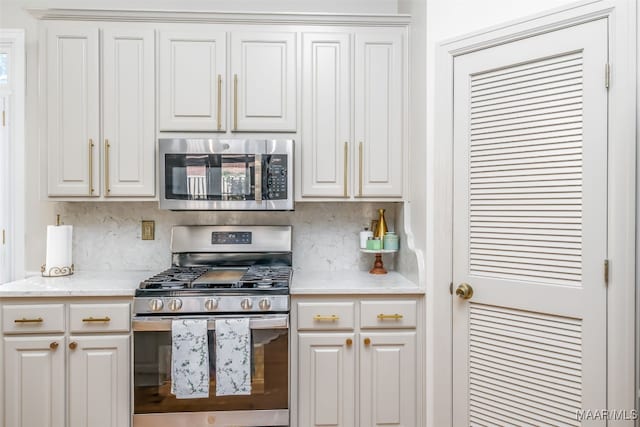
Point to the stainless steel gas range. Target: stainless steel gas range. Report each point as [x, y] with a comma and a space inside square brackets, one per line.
[217, 272]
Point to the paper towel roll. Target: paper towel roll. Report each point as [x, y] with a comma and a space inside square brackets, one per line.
[59, 258]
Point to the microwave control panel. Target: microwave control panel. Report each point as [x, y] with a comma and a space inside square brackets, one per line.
[276, 177]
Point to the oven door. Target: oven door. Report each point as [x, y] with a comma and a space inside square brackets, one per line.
[267, 405]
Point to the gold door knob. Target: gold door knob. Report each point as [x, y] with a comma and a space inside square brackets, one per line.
[53, 345]
[349, 342]
[367, 341]
[464, 291]
[73, 345]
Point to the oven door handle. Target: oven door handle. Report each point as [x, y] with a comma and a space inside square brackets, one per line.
[163, 324]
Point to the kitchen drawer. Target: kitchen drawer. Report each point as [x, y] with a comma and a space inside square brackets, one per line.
[388, 314]
[326, 315]
[99, 318]
[32, 319]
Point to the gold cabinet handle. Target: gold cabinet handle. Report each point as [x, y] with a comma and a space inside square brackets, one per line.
[219, 102]
[396, 316]
[464, 291]
[91, 145]
[107, 146]
[73, 345]
[97, 319]
[54, 346]
[321, 318]
[235, 102]
[360, 169]
[349, 342]
[346, 166]
[23, 320]
[367, 341]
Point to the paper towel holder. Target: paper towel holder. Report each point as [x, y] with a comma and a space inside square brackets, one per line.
[57, 271]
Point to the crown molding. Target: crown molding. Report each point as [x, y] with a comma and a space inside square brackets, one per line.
[208, 17]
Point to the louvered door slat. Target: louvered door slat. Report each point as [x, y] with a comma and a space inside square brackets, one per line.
[555, 385]
[553, 109]
[519, 70]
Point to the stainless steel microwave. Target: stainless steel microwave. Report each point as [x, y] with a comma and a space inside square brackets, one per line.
[226, 174]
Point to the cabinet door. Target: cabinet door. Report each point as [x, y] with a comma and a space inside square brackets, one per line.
[73, 98]
[34, 392]
[379, 68]
[99, 381]
[192, 80]
[128, 102]
[326, 115]
[387, 379]
[263, 66]
[326, 379]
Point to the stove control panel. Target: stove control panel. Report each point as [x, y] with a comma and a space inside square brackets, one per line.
[209, 304]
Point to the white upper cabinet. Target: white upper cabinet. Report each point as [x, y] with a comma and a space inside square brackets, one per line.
[196, 94]
[72, 109]
[326, 115]
[128, 112]
[192, 78]
[81, 160]
[379, 64]
[263, 73]
[352, 146]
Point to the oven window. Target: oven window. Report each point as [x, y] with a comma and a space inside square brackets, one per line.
[152, 375]
[210, 176]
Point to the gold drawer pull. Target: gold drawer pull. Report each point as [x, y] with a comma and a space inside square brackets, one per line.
[390, 316]
[367, 342]
[54, 346]
[349, 342]
[321, 318]
[23, 320]
[97, 319]
[73, 345]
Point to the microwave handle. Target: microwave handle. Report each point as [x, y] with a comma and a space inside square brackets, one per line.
[258, 178]
[163, 324]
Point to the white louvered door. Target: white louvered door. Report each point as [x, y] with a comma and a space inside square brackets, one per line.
[530, 228]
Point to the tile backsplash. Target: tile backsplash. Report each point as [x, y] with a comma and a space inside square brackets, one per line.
[107, 236]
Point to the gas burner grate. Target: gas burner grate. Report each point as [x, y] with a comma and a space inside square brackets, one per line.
[173, 278]
[262, 274]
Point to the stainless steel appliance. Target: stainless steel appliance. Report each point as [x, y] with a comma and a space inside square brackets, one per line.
[226, 174]
[217, 272]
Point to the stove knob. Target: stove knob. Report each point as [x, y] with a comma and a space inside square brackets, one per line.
[156, 304]
[175, 304]
[211, 304]
[264, 304]
[246, 304]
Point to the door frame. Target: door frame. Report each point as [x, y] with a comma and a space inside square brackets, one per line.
[14, 39]
[621, 188]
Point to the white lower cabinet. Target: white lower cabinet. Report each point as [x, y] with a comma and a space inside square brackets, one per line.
[76, 375]
[99, 381]
[356, 362]
[388, 379]
[34, 381]
[326, 367]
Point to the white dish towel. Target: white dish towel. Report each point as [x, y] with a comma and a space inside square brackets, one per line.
[233, 357]
[189, 359]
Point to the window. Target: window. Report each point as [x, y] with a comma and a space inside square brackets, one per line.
[4, 68]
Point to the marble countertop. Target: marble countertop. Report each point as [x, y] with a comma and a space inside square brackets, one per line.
[79, 284]
[351, 282]
[124, 283]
